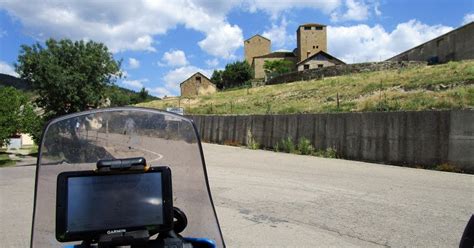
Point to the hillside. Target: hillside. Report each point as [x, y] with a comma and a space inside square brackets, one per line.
[446, 86]
[114, 92]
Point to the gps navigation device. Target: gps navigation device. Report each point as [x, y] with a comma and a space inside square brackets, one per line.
[91, 204]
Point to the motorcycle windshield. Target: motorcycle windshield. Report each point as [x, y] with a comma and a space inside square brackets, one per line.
[76, 142]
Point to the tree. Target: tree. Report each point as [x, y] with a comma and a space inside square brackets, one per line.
[68, 76]
[277, 67]
[236, 74]
[216, 79]
[143, 94]
[117, 97]
[17, 115]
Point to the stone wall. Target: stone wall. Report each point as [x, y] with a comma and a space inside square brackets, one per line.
[338, 70]
[256, 46]
[412, 138]
[259, 62]
[197, 85]
[453, 46]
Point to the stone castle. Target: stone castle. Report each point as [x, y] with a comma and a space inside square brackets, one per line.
[310, 51]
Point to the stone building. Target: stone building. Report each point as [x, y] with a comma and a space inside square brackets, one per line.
[318, 60]
[255, 46]
[197, 85]
[455, 45]
[259, 61]
[311, 39]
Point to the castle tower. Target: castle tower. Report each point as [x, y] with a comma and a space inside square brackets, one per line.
[311, 38]
[255, 46]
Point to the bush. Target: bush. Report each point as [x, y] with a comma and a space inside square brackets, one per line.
[305, 147]
[287, 145]
[328, 153]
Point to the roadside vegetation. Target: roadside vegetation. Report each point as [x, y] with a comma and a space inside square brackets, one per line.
[446, 86]
[304, 147]
[5, 160]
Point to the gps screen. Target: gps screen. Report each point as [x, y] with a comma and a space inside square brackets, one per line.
[114, 201]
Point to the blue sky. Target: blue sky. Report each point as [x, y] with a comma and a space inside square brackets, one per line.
[163, 42]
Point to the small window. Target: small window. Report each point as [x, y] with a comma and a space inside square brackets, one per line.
[320, 65]
[314, 47]
[306, 67]
[317, 47]
[319, 28]
[307, 28]
[198, 78]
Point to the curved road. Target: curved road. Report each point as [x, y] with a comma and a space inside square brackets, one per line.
[267, 199]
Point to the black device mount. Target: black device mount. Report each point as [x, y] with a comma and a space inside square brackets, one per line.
[126, 164]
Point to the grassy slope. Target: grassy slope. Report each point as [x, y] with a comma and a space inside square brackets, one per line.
[447, 86]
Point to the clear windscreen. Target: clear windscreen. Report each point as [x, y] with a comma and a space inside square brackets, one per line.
[76, 142]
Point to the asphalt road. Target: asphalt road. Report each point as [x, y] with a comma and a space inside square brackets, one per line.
[267, 199]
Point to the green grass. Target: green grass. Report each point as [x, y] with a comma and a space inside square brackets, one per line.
[447, 86]
[5, 161]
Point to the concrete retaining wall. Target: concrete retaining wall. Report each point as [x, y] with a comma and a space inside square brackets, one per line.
[414, 138]
[338, 70]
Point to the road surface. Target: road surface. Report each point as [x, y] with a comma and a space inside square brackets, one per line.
[267, 199]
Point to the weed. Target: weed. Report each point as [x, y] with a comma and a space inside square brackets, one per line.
[251, 143]
[448, 167]
[287, 145]
[305, 147]
[327, 153]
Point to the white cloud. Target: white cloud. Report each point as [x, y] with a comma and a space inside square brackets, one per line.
[275, 8]
[174, 77]
[356, 11]
[468, 18]
[6, 68]
[133, 63]
[136, 84]
[279, 36]
[132, 25]
[159, 91]
[175, 58]
[123, 25]
[361, 43]
[212, 62]
[222, 41]
[377, 9]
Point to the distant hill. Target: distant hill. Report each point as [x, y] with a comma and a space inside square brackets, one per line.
[7, 80]
[125, 95]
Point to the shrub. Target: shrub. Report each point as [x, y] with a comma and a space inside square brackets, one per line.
[287, 145]
[327, 153]
[305, 147]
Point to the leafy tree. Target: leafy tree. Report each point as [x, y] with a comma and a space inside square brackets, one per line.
[277, 67]
[143, 94]
[68, 76]
[17, 115]
[216, 79]
[117, 97]
[236, 74]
